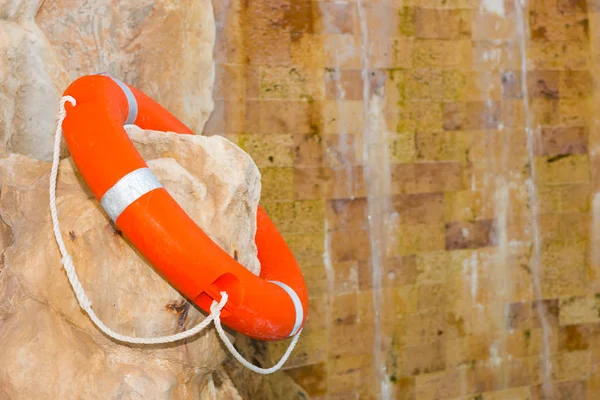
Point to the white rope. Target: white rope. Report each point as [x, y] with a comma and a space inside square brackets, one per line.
[86, 304]
[216, 311]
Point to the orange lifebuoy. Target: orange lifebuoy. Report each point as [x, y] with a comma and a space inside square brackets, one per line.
[271, 306]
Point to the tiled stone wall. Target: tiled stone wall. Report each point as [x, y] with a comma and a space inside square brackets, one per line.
[480, 283]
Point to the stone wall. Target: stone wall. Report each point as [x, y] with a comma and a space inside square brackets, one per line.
[485, 285]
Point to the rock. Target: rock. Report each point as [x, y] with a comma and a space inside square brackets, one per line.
[49, 347]
[164, 48]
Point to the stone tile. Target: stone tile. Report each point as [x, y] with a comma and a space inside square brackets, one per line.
[561, 141]
[423, 359]
[468, 351]
[493, 28]
[406, 20]
[300, 17]
[277, 184]
[456, 84]
[544, 84]
[564, 199]
[402, 49]
[251, 83]
[442, 24]
[337, 18]
[347, 59]
[521, 393]
[526, 315]
[431, 296]
[342, 151]
[442, 53]
[437, 177]
[312, 378]
[267, 46]
[425, 327]
[315, 276]
[556, 170]
[564, 231]
[345, 309]
[572, 27]
[522, 343]
[356, 339]
[308, 150]
[576, 83]
[346, 245]
[366, 311]
[421, 238]
[346, 183]
[252, 119]
[571, 6]
[346, 276]
[575, 337]
[401, 302]
[279, 117]
[550, 55]
[571, 366]
[443, 146]
[545, 110]
[573, 111]
[293, 83]
[470, 235]
[308, 51]
[404, 388]
[343, 117]
[512, 84]
[579, 310]
[268, 150]
[422, 84]
[311, 183]
[447, 384]
[401, 147]
[419, 208]
[346, 213]
[306, 247]
[397, 271]
[345, 84]
[297, 216]
[470, 116]
[488, 377]
[417, 116]
[348, 372]
[563, 272]
[466, 205]
[562, 391]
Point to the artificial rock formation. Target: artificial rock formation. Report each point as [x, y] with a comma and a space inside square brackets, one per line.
[164, 48]
[48, 346]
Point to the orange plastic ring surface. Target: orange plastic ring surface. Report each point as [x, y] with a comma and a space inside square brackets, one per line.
[271, 306]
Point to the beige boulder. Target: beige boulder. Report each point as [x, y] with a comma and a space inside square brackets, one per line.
[48, 346]
[164, 48]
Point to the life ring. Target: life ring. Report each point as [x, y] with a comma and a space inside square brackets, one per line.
[268, 307]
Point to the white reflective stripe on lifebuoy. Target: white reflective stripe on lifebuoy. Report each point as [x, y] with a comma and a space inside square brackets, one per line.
[297, 305]
[127, 190]
[131, 101]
